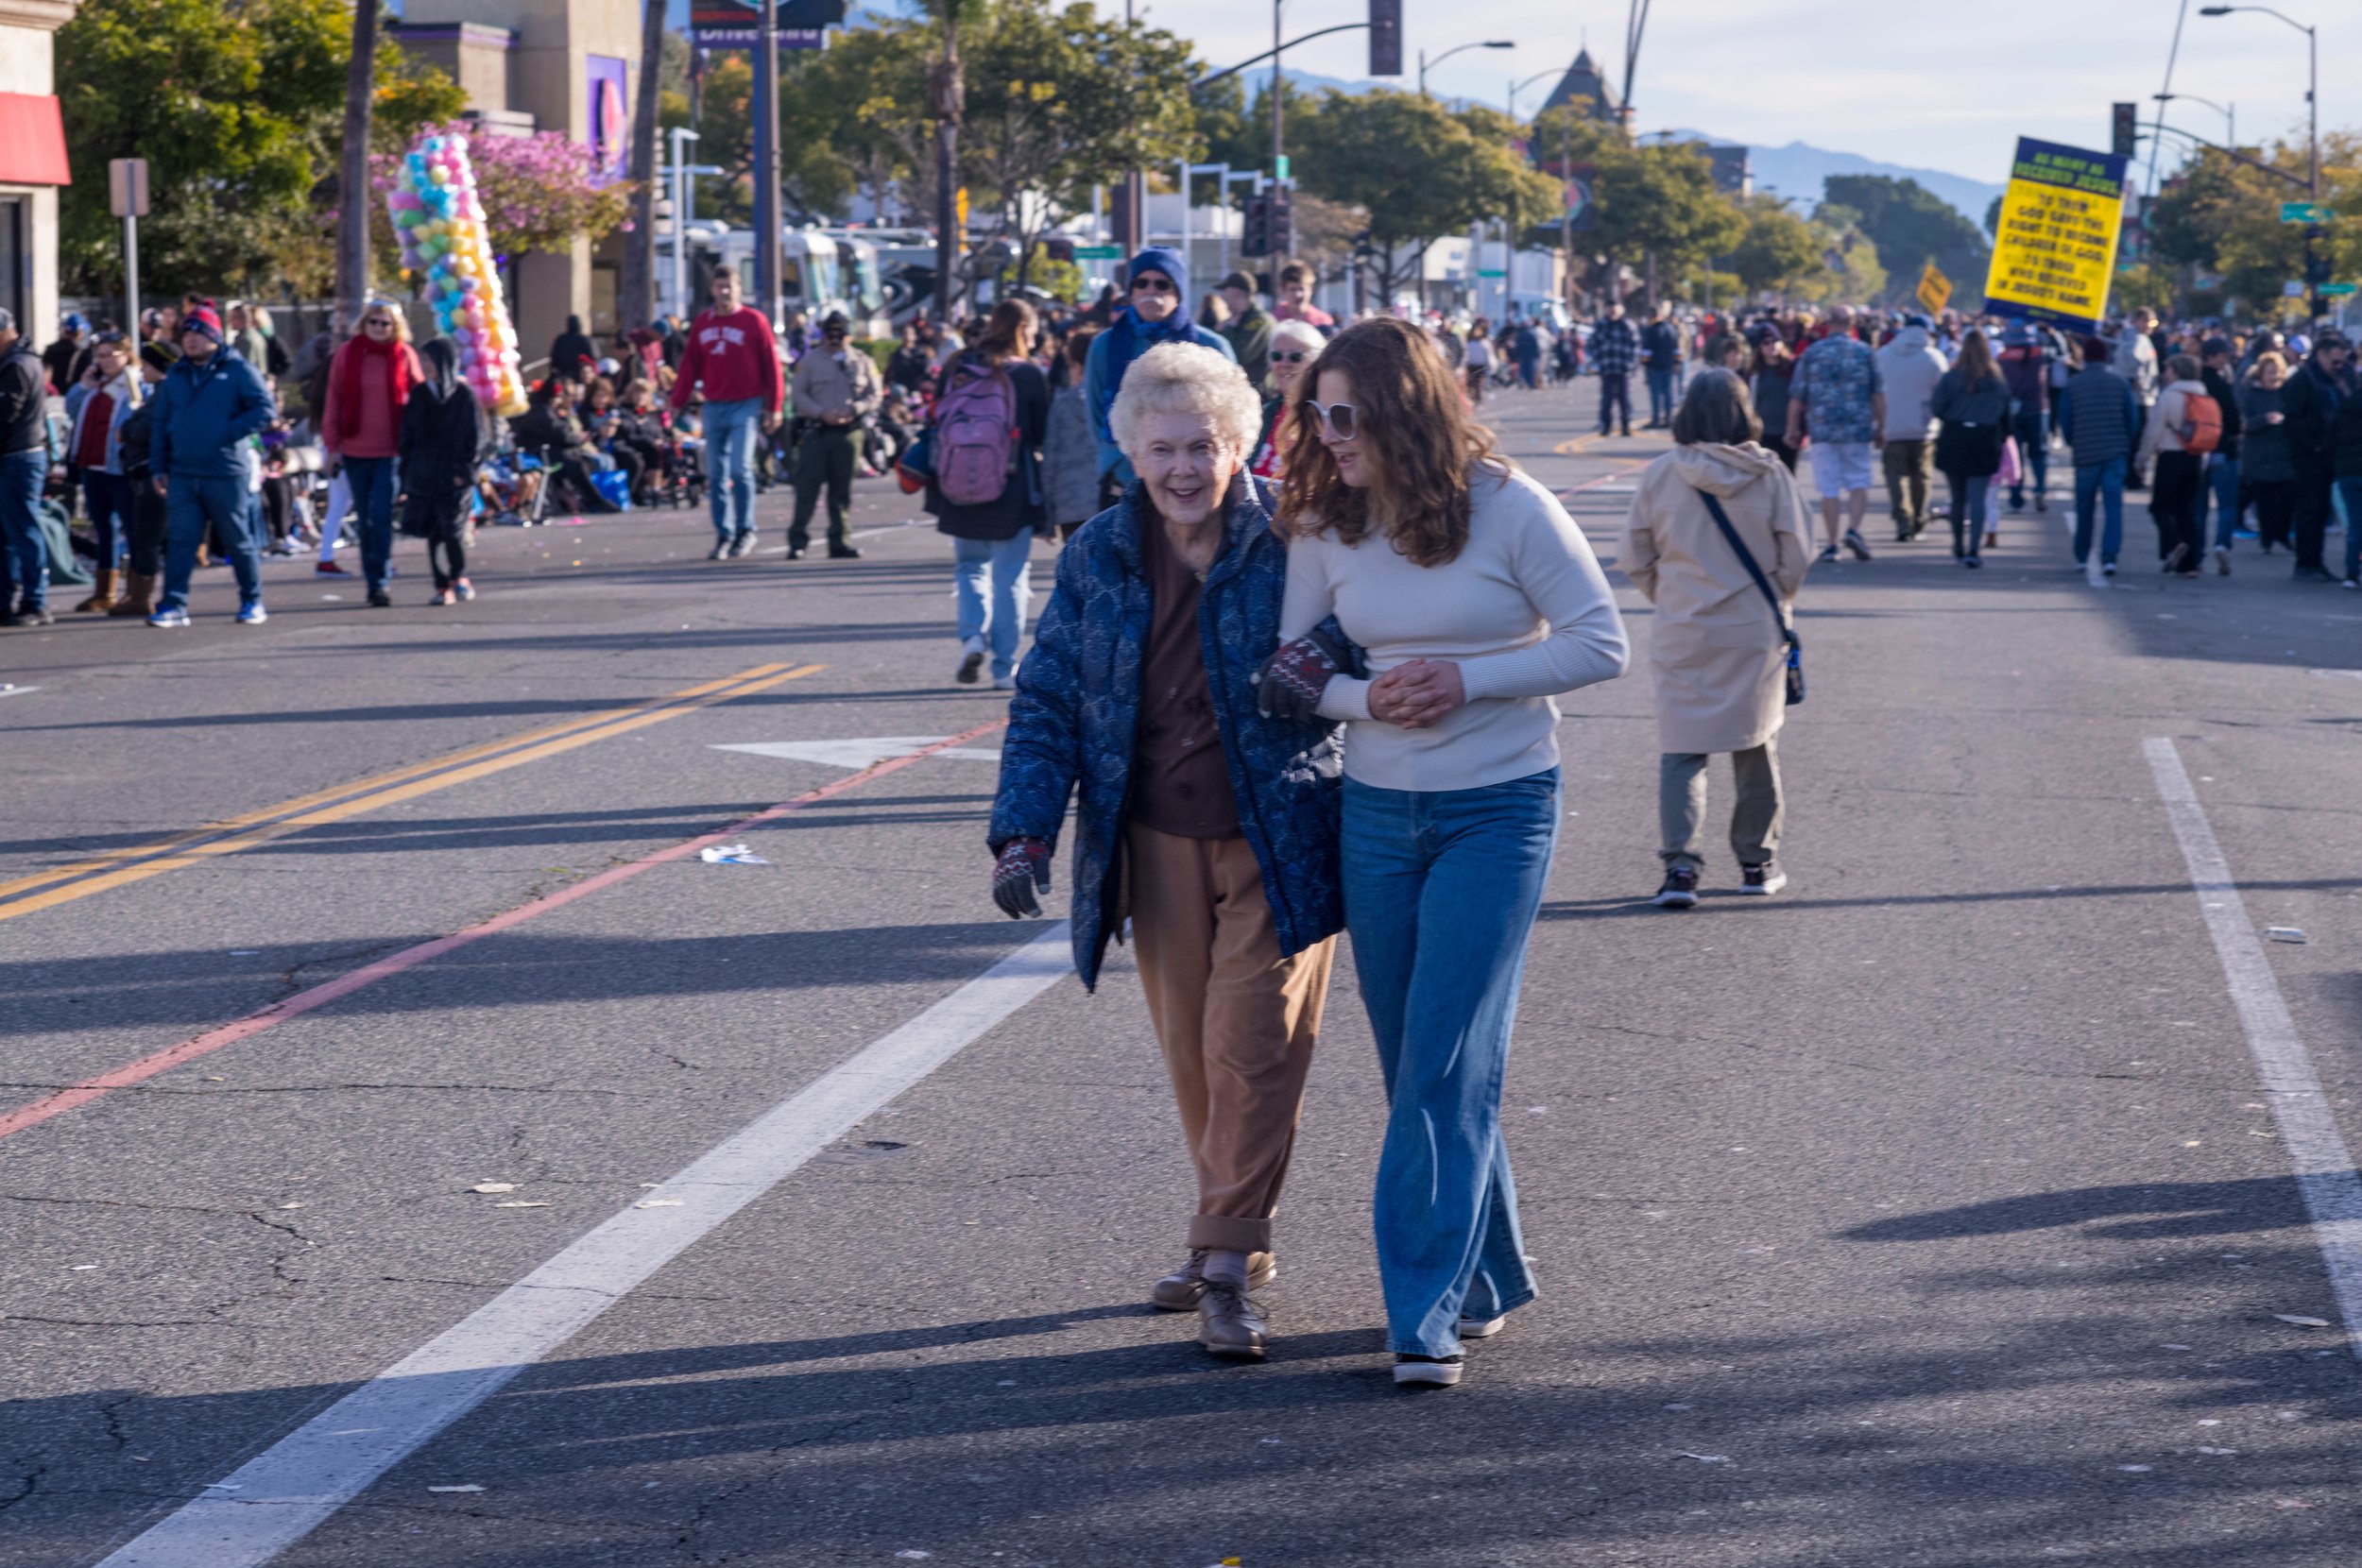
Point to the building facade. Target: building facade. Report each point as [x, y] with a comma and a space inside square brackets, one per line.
[32, 163]
[537, 65]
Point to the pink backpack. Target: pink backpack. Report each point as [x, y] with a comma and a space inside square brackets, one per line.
[976, 434]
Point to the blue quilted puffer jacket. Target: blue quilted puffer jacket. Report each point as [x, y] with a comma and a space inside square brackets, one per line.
[1076, 716]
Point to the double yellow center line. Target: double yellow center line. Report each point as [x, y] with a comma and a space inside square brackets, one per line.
[64, 884]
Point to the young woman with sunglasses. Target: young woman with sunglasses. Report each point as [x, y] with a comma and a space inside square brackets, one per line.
[1475, 600]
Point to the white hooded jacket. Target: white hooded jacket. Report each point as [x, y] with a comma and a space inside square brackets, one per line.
[1909, 369]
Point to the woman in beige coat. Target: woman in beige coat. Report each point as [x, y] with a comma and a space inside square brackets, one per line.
[1715, 648]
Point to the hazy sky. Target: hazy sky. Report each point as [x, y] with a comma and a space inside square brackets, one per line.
[1908, 81]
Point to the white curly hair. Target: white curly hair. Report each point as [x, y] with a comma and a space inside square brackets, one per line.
[1187, 378]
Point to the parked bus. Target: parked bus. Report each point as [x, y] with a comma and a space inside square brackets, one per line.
[819, 273]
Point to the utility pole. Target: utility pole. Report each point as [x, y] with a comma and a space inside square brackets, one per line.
[767, 279]
[948, 88]
[1132, 205]
[637, 305]
[352, 182]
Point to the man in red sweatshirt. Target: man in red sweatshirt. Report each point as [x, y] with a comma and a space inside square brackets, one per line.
[733, 355]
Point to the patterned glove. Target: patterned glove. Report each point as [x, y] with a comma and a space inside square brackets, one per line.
[1023, 866]
[1291, 682]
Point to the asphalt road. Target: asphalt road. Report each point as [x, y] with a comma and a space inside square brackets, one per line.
[1930, 1214]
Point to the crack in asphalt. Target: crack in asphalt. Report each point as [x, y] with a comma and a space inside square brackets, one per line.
[290, 985]
[26, 1485]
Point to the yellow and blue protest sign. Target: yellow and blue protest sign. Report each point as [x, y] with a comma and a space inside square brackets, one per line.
[2056, 249]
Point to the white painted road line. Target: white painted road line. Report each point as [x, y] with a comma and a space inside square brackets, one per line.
[274, 1499]
[866, 752]
[2308, 1128]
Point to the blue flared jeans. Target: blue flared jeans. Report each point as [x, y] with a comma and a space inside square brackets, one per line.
[1441, 891]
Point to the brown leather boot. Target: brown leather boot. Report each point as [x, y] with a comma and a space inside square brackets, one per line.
[1229, 1324]
[139, 596]
[102, 597]
[1179, 1290]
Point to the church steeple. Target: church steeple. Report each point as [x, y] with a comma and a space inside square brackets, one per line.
[1583, 80]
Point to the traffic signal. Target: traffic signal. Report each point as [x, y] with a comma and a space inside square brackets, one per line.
[2125, 129]
[1280, 227]
[1385, 38]
[2317, 267]
[1256, 240]
[1059, 251]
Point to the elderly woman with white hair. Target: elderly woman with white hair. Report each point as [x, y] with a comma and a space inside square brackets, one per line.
[1211, 827]
[1294, 346]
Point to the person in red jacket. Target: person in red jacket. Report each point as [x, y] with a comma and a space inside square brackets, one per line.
[732, 354]
[369, 382]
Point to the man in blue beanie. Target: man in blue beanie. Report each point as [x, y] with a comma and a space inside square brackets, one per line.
[1157, 311]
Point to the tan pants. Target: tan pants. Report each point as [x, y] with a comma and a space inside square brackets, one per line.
[1236, 1019]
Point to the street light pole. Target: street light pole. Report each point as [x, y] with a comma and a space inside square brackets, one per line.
[681, 218]
[1517, 87]
[2228, 112]
[1486, 43]
[2312, 130]
[1277, 97]
[2312, 86]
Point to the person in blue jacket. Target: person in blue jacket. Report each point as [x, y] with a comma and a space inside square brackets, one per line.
[1210, 825]
[211, 403]
[1158, 311]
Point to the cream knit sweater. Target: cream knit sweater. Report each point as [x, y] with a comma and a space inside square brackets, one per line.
[1524, 610]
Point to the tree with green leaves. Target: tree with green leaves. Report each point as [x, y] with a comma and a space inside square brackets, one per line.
[1778, 253]
[1661, 201]
[1913, 227]
[1057, 97]
[2219, 216]
[238, 107]
[1420, 171]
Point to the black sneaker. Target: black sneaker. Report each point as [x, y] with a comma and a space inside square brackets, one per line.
[379, 599]
[33, 616]
[1828, 553]
[720, 551]
[1767, 878]
[1855, 543]
[842, 552]
[1680, 891]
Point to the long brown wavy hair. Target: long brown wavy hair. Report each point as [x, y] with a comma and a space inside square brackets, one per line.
[1415, 429]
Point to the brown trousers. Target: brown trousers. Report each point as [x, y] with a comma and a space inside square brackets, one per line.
[1237, 1021]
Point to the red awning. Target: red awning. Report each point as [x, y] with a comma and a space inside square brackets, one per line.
[32, 141]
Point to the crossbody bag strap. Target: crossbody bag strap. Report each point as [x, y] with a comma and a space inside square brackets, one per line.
[1747, 559]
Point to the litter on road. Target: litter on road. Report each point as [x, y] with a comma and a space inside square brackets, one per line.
[730, 853]
[494, 1186]
[2286, 933]
[2301, 1320]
